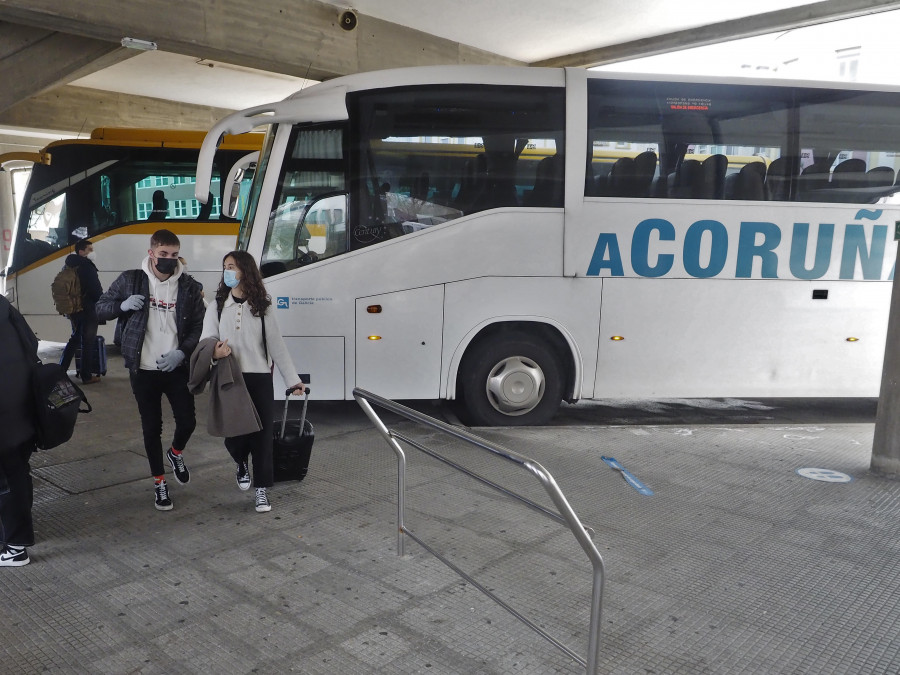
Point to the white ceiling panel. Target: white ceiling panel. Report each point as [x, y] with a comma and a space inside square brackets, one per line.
[533, 30]
[190, 80]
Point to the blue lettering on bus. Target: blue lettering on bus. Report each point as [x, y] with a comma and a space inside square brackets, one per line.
[757, 244]
[606, 242]
[718, 249]
[748, 249]
[640, 248]
[869, 260]
[799, 246]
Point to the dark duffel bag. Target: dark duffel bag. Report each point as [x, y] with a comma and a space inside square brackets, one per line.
[57, 404]
[57, 400]
[293, 443]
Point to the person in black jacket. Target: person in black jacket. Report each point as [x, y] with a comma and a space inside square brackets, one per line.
[18, 350]
[160, 309]
[84, 323]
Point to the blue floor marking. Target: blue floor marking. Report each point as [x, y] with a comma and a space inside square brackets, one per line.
[628, 476]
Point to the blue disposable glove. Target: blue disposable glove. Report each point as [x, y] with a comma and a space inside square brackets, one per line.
[133, 302]
[169, 362]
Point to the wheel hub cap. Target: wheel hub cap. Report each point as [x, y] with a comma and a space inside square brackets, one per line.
[515, 385]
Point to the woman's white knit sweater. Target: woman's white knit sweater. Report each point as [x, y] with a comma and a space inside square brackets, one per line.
[244, 334]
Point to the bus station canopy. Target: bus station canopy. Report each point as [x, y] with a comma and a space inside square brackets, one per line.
[47, 45]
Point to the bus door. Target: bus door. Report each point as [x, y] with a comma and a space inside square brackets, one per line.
[398, 342]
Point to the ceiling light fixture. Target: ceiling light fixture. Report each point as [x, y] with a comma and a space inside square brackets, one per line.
[142, 45]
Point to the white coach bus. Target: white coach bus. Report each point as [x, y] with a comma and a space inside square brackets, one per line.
[516, 237]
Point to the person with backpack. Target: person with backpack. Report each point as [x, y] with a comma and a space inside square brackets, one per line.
[18, 350]
[160, 309]
[76, 290]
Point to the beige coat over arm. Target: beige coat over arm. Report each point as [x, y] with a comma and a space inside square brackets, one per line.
[231, 411]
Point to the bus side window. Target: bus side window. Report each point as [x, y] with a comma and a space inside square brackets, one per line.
[548, 184]
[98, 205]
[437, 153]
[702, 134]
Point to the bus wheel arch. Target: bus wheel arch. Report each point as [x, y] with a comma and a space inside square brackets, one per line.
[514, 373]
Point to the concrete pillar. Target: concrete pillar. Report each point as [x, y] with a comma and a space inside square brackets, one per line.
[886, 444]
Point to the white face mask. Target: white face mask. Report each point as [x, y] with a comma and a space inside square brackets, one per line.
[92, 256]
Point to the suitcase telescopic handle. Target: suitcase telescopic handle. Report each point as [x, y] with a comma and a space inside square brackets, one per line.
[287, 394]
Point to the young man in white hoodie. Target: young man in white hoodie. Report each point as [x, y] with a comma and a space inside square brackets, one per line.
[160, 309]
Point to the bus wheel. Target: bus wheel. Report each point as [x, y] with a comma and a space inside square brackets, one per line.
[511, 380]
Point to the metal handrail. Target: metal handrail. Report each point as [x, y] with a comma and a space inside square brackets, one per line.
[566, 515]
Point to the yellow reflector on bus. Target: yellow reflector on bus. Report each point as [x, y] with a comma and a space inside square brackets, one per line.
[374, 337]
[374, 309]
[616, 338]
[852, 339]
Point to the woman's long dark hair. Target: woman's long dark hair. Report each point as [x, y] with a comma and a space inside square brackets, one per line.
[251, 283]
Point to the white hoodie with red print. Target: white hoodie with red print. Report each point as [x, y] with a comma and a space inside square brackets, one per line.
[161, 336]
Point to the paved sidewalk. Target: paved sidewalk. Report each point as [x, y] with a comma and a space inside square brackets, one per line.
[736, 564]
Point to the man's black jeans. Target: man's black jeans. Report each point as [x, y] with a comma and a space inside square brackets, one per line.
[84, 337]
[149, 386]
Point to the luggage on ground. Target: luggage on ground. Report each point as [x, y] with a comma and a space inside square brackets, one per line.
[99, 357]
[292, 444]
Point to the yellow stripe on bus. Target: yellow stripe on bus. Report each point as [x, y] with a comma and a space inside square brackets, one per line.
[181, 229]
[160, 138]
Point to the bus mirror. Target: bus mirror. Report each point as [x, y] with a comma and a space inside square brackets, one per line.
[233, 198]
[242, 170]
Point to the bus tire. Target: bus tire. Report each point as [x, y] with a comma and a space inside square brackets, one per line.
[511, 379]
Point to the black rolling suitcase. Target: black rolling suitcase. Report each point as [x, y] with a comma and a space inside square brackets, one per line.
[292, 444]
[99, 356]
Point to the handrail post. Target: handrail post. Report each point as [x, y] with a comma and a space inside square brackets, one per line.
[599, 572]
[401, 468]
[566, 514]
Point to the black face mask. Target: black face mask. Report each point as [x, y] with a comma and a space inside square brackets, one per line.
[166, 265]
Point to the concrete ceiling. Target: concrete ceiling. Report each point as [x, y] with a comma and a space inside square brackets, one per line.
[65, 71]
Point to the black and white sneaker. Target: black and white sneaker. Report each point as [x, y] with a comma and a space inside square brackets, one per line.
[262, 501]
[163, 502]
[243, 476]
[182, 475]
[14, 556]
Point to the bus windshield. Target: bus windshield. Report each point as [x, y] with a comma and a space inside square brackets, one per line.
[88, 190]
[116, 188]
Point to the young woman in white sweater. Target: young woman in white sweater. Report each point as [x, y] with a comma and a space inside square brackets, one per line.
[238, 319]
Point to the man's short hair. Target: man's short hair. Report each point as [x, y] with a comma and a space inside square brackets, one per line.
[164, 238]
[82, 244]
